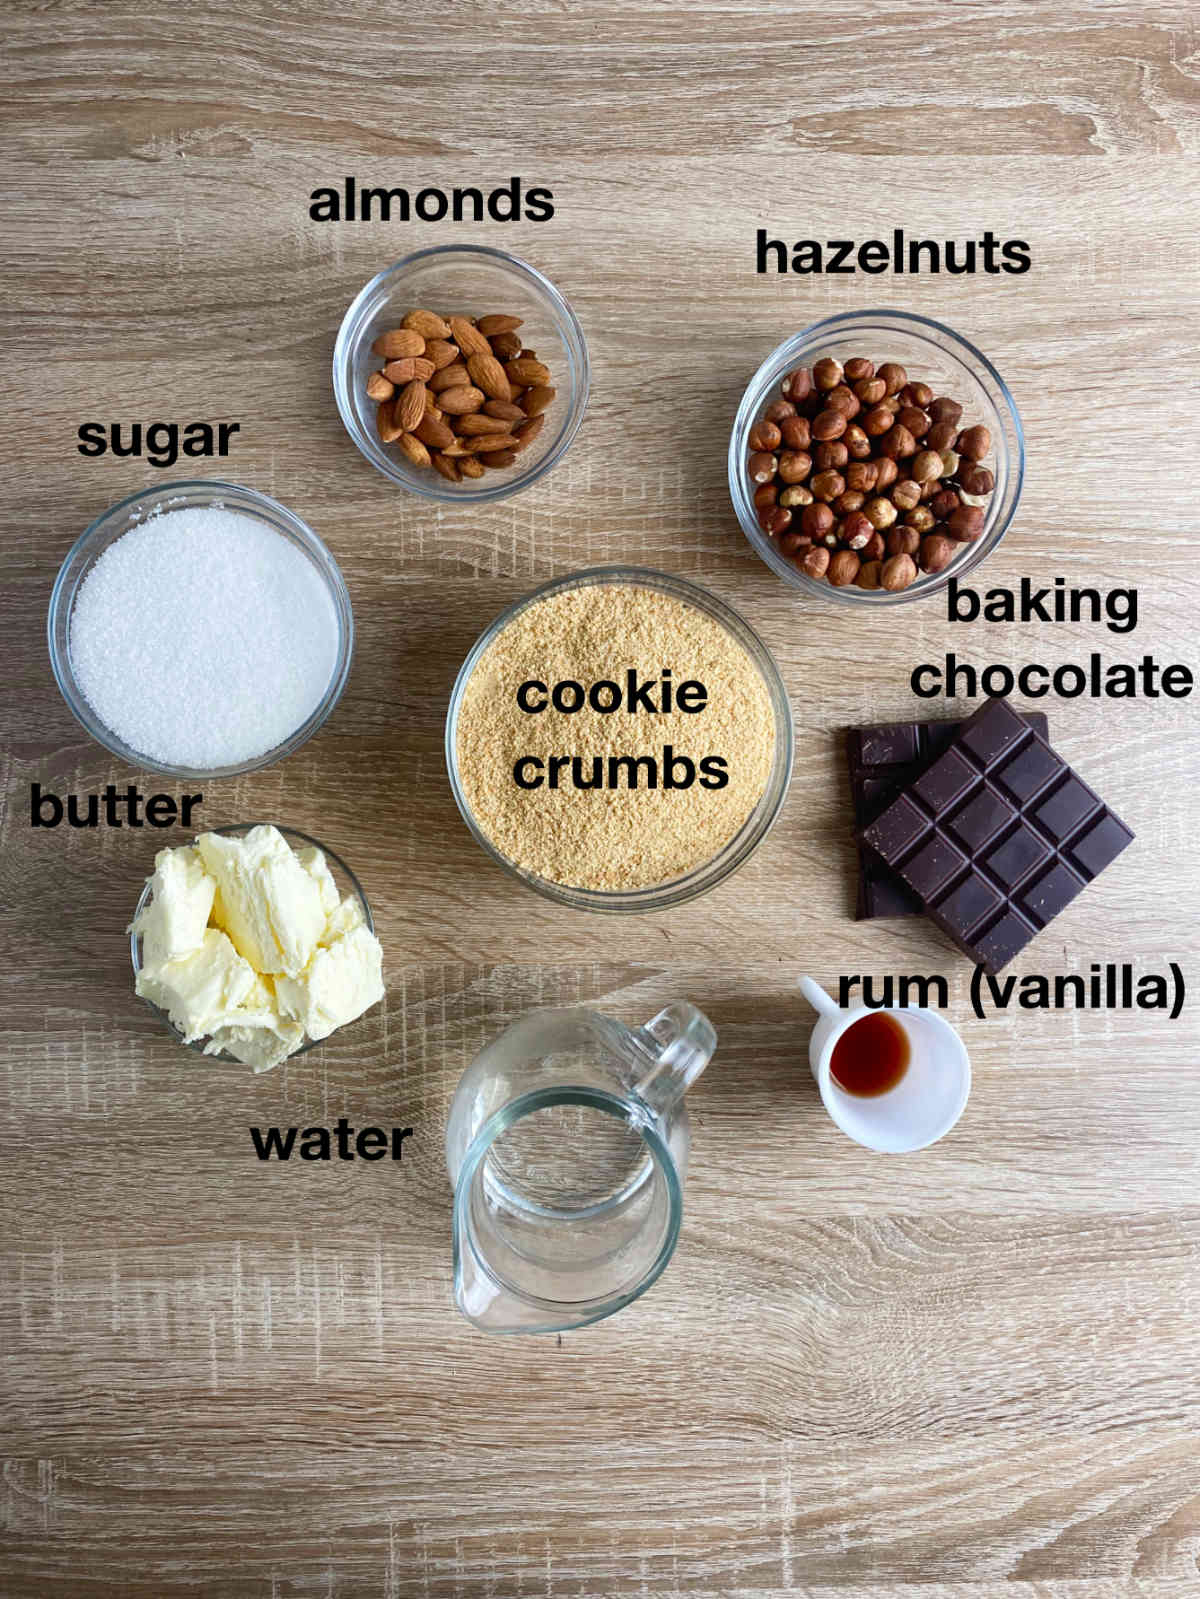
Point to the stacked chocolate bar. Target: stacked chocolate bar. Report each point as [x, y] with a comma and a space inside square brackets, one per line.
[979, 824]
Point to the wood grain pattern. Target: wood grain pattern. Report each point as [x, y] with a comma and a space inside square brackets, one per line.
[962, 1375]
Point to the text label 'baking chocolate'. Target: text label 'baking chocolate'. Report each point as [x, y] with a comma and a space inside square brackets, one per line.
[899, 254]
[110, 808]
[162, 443]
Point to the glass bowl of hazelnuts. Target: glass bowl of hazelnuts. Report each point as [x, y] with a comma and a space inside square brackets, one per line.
[875, 456]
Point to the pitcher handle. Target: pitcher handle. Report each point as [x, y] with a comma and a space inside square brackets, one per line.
[680, 1042]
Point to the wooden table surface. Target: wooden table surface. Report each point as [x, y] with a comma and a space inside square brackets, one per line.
[957, 1375]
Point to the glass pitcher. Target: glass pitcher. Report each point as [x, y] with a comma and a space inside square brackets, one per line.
[567, 1146]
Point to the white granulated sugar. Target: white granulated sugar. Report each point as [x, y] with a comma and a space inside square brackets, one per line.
[203, 638]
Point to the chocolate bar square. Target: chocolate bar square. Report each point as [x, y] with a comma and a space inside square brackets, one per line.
[883, 761]
[997, 835]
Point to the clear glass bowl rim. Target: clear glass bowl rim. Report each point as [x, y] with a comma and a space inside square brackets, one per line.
[90, 544]
[751, 401]
[298, 840]
[580, 1313]
[658, 896]
[353, 326]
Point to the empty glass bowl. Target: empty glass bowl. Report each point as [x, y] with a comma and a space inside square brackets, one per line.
[932, 354]
[476, 281]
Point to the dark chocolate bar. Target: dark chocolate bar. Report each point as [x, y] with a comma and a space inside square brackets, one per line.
[997, 835]
[884, 760]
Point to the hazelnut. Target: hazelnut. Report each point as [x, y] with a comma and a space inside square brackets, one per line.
[764, 435]
[791, 543]
[936, 553]
[914, 420]
[877, 421]
[893, 375]
[761, 467]
[827, 373]
[880, 513]
[903, 541]
[926, 464]
[858, 445]
[848, 500]
[795, 494]
[765, 496]
[859, 368]
[906, 494]
[868, 575]
[898, 572]
[831, 457]
[828, 425]
[797, 386]
[974, 442]
[815, 562]
[976, 479]
[870, 390]
[918, 394]
[940, 436]
[857, 531]
[928, 490]
[874, 549]
[816, 520]
[966, 524]
[943, 503]
[922, 519]
[898, 442]
[795, 432]
[844, 400]
[843, 568]
[861, 476]
[780, 411]
[827, 485]
[886, 472]
[777, 521]
[944, 410]
[794, 466]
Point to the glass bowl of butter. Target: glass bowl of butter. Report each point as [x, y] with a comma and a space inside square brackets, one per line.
[254, 943]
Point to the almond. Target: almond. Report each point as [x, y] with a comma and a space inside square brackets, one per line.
[460, 447]
[434, 430]
[379, 388]
[487, 374]
[471, 466]
[414, 449]
[528, 431]
[476, 424]
[408, 368]
[386, 422]
[502, 458]
[457, 402]
[410, 407]
[447, 467]
[526, 371]
[441, 352]
[397, 343]
[468, 337]
[505, 410]
[505, 345]
[493, 441]
[427, 323]
[536, 399]
[450, 377]
[489, 326]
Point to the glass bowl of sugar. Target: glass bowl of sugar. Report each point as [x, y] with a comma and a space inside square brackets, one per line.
[200, 629]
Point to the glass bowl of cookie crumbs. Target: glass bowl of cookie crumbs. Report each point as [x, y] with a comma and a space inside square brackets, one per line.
[619, 740]
[461, 373]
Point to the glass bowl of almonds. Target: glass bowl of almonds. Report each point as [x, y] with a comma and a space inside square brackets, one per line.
[875, 456]
[461, 373]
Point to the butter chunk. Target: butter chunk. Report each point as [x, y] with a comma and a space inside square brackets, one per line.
[264, 1048]
[344, 979]
[173, 923]
[200, 990]
[268, 904]
[344, 919]
[314, 863]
